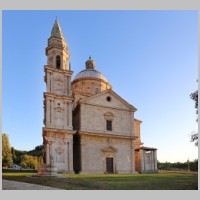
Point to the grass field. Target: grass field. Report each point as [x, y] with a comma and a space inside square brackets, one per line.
[160, 181]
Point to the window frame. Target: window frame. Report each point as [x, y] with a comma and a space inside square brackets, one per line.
[108, 125]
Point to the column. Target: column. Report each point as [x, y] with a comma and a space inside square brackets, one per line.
[70, 115]
[47, 154]
[48, 80]
[142, 160]
[155, 159]
[65, 85]
[65, 155]
[54, 60]
[67, 89]
[52, 114]
[64, 113]
[69, 86]
[71, 168]
[61, 61]
[67, 114]
[52, 148]
[152, 160]
[48, 112]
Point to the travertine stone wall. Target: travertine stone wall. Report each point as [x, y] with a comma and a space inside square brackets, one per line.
[94, 114]
[58, 112]
[58, 81]
[95, 149]
[137, 141]
[59, 149]
[90, 86]
[138, 161]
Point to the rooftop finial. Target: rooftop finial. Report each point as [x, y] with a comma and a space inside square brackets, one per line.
[90, 57]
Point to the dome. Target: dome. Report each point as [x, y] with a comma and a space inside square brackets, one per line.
[90, 73]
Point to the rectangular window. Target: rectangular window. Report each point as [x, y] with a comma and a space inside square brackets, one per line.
[109, 125]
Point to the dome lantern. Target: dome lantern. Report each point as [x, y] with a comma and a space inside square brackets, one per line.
[90, 64]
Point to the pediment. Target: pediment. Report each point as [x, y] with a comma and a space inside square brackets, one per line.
[109, 149]
[109, 98]
[109, 114]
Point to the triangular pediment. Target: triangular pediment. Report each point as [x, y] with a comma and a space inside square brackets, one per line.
[109, 98]
[109, 114]
[109, 149]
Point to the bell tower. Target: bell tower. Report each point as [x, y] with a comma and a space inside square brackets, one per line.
[58, 131]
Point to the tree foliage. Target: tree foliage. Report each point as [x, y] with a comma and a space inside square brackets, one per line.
[194, 135]
[194, 96]
[31, 162]
[6, 151]
[28, 159]
[14, 157]
[194, 138]
[192, 165]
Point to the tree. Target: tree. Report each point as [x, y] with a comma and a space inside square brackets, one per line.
[194, 96]
[6, 151]
[32, 162]
[194, 135]
[14, 157]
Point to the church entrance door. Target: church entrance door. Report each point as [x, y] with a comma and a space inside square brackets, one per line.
[109, 165]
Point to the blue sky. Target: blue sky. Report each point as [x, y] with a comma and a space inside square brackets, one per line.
[149, 57]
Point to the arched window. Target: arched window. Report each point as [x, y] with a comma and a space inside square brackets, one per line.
[58, 62]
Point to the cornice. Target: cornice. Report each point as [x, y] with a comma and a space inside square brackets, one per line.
[53, 69]
[91, 78]
[45, 129]
[54, 96]
[81, 132]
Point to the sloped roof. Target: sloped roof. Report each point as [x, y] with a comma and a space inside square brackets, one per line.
[56, 30]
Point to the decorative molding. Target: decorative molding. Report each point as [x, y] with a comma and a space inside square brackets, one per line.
[109, 149]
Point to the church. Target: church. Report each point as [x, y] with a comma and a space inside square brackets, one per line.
[88, 128]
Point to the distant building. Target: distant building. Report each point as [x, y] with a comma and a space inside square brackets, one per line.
[89, 128]
[15, 166]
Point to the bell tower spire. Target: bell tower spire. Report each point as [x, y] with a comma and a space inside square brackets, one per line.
[58, 131]
[56, 30]
[57, 51]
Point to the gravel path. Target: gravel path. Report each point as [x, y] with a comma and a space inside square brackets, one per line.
[15, 185]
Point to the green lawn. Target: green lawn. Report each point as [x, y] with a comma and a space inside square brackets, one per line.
[160, 181]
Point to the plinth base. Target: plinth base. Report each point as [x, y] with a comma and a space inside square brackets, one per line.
[47, 170]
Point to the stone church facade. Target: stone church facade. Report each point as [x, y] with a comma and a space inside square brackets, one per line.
[88, 128]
